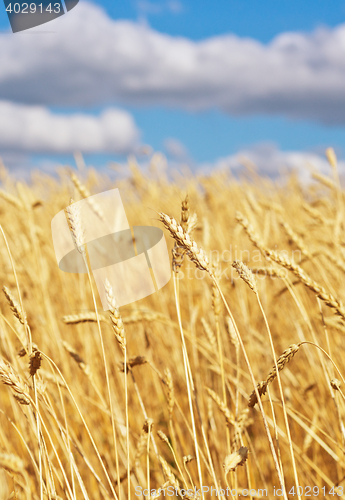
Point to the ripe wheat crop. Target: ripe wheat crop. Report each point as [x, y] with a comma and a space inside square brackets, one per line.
[230, 377]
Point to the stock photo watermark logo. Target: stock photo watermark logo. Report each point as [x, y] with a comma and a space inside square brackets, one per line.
[24, 15]
[134, 260]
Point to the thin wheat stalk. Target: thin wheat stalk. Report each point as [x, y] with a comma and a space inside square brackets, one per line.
[232, 461]
[247, 275]
[165, 440]
[184, 351]
[29, 346]
[222, 407]
[234, 341]
[84, 423]
[119, 332]
[76, 227]
[148, 425]
[60, 383]
[42, 423]
[189, 373]
[281, 481]
[327, 355]
[85, 368]
[186, 460]
[142, 405]
[216, 304]
[171, 477]
[200, 260]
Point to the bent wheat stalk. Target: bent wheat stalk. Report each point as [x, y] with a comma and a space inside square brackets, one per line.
[284, 261]
[200, 259]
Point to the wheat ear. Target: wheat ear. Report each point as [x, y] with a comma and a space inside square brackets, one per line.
[284, 261]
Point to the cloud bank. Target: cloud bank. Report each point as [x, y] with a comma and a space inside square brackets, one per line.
[36, 129]
[272, 161]
[94, 60]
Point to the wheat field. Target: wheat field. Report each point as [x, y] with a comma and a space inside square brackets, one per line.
[234, 370]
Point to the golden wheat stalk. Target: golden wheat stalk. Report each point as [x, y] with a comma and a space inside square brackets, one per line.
[287, 355]
[85, 317]
[284, 261]
[12, 379]
[195, 253]
[14, 305]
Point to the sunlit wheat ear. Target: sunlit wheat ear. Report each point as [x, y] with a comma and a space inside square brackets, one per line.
[90, 316]
[192, 223]
[11, 199]
[232, 332]
[170, 386]
[245, 274]
[14, 305]
[141, 447]
[85, 193]
[254, 238]
[243, 421]
[11, 463]
[284, 261]
[236, 459]
[115, 316]
[326, 181]
[216, 300]
[196, 254]
[331, 157]
[13, 380]
[163, 437]
[169, 474]
[271, 272]
[178, 252]
[287, 355]
[73, 217]
[185, 213]
[222, 407]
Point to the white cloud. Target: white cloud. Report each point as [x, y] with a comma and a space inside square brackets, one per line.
[92, 59]
[271, 161]
[175, 149]
[36, 129]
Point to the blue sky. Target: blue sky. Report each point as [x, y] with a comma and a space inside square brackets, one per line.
[204, 18]
[303, 114]
[252, 18]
